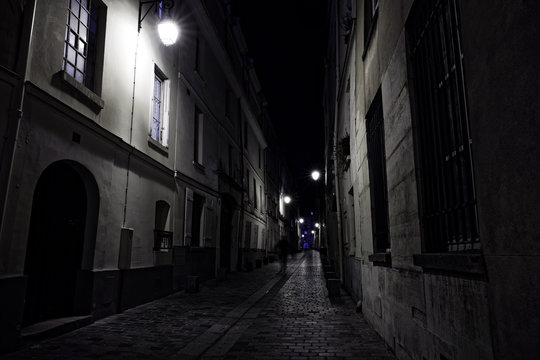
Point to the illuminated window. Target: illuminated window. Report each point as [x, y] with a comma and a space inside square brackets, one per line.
[159, 126]
[81, 38]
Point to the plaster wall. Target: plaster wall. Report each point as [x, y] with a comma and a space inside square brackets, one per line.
[47, 134]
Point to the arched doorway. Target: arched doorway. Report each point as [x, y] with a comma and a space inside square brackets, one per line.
[61, 243]
[226, 226]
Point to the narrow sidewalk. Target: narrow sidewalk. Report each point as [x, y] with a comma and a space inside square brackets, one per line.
[162, 328]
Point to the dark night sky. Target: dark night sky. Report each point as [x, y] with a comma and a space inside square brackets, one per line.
[286, 40]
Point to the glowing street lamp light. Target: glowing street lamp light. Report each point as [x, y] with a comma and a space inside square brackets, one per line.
[317, 225]
[313, 231]
[168, 32]
[167, 29]
[301, 220]
[315, 175]
[287, 199]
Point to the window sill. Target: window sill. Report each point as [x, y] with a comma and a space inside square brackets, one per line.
[82, 93]
[468, 263]
[381, 259]
[163, 150]
[198, 166]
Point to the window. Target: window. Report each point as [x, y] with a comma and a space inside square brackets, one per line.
[441, 128]
[198, 137]
[160, 119]
[377, 175]
[247, 182]
[245, 135]
[261, 197]
[231, 162]
[163, 240]
[255, 237]
[247, 235]
[371, 9]
[228, 103]
[80, 47]
[255, 193]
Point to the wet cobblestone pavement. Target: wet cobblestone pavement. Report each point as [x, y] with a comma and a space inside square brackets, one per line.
[252, 315]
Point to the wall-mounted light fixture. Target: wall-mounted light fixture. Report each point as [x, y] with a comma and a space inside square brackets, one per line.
[167, 29]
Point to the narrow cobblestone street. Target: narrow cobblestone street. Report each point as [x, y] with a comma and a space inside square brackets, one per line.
[252, 315]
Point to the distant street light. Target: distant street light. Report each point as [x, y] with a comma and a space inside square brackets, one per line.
[313, 231]
[315, 175]
[287, 199]
[317, 225]
[301, 220]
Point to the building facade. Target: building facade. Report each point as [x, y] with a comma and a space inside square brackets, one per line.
[432, 146]
[126, 164]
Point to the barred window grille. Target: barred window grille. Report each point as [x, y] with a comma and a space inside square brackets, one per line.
[377, 175]
[80, 44]
[163, 240]
[442, 136]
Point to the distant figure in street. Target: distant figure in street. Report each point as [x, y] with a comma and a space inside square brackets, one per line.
[283, 251]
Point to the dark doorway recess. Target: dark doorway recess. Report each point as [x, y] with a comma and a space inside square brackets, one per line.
[228, 204]
[61, 243]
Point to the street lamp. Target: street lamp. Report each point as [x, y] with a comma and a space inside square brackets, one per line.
[167, 29]
[315, 175]
[287, 199]
[301, 220]
[317, 225]
[168, 32]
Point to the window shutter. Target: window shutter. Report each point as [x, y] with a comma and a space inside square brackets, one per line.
[255, 237]
[188, 216]
[208, 222]
[165, 121]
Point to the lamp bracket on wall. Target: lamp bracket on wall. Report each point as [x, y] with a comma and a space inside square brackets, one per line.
[165, 5]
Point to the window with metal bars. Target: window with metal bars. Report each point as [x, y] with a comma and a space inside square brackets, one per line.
[377, 175]
[442, 137]
[80, 44]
